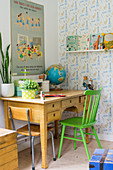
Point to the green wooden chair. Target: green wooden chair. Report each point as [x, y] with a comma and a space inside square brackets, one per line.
[92, 98]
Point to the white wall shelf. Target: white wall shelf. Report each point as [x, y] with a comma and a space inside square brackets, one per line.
[84, 51]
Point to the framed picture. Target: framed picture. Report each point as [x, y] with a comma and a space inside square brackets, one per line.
[27, 37]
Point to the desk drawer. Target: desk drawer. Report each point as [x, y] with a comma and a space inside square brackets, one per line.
[53, 116]
[70, 102]
[52, 107]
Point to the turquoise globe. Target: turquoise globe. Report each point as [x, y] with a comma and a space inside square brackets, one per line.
[56, 74]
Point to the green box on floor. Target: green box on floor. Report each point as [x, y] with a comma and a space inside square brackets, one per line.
[102, 159]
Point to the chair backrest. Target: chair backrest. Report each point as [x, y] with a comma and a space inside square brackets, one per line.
[91, 106]
[19, 113]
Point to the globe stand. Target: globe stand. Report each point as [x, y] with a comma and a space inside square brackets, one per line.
[56, 88]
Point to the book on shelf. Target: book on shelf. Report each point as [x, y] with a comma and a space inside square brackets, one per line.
[93, 39]
[72, 43]
[83, 42]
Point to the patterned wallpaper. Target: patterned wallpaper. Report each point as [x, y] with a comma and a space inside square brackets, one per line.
[87, 17]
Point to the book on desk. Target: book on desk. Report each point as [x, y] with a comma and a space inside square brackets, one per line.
[53, 95]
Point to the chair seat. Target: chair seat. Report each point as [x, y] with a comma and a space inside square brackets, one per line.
[35, 130]
[75, 122]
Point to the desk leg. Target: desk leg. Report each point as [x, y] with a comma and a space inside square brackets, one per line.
[7, 120]
[56, 129]
[43, 131]
[87, 136]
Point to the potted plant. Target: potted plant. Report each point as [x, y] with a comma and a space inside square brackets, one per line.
[29, 88]
[7, 87]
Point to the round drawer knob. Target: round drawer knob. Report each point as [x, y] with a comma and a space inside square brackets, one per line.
[54, 114]
[53, 105]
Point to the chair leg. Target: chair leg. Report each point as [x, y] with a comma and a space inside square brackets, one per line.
[53, 146]
[94, 131]
[40, 143]
[61, 141]
[85, 145]
[32, 143]
[30, 146]
[75, 134]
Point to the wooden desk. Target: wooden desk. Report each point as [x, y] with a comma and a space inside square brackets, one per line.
[45, 111]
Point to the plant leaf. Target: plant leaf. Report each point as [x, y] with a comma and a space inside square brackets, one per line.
[7, 54]
[1, 48]
[0, 41]
[6, 72]
[3, 57]
[1, 76]
[2, 68]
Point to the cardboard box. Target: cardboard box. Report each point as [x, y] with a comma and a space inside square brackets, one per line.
[102, 159]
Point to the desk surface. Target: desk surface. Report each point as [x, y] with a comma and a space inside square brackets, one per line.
[68, 93]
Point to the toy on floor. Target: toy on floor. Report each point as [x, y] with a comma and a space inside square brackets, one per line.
[102, 159]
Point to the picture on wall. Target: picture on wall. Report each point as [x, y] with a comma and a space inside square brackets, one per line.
[27, 37]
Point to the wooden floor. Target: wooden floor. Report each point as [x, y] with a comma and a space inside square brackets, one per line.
[70, 159]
